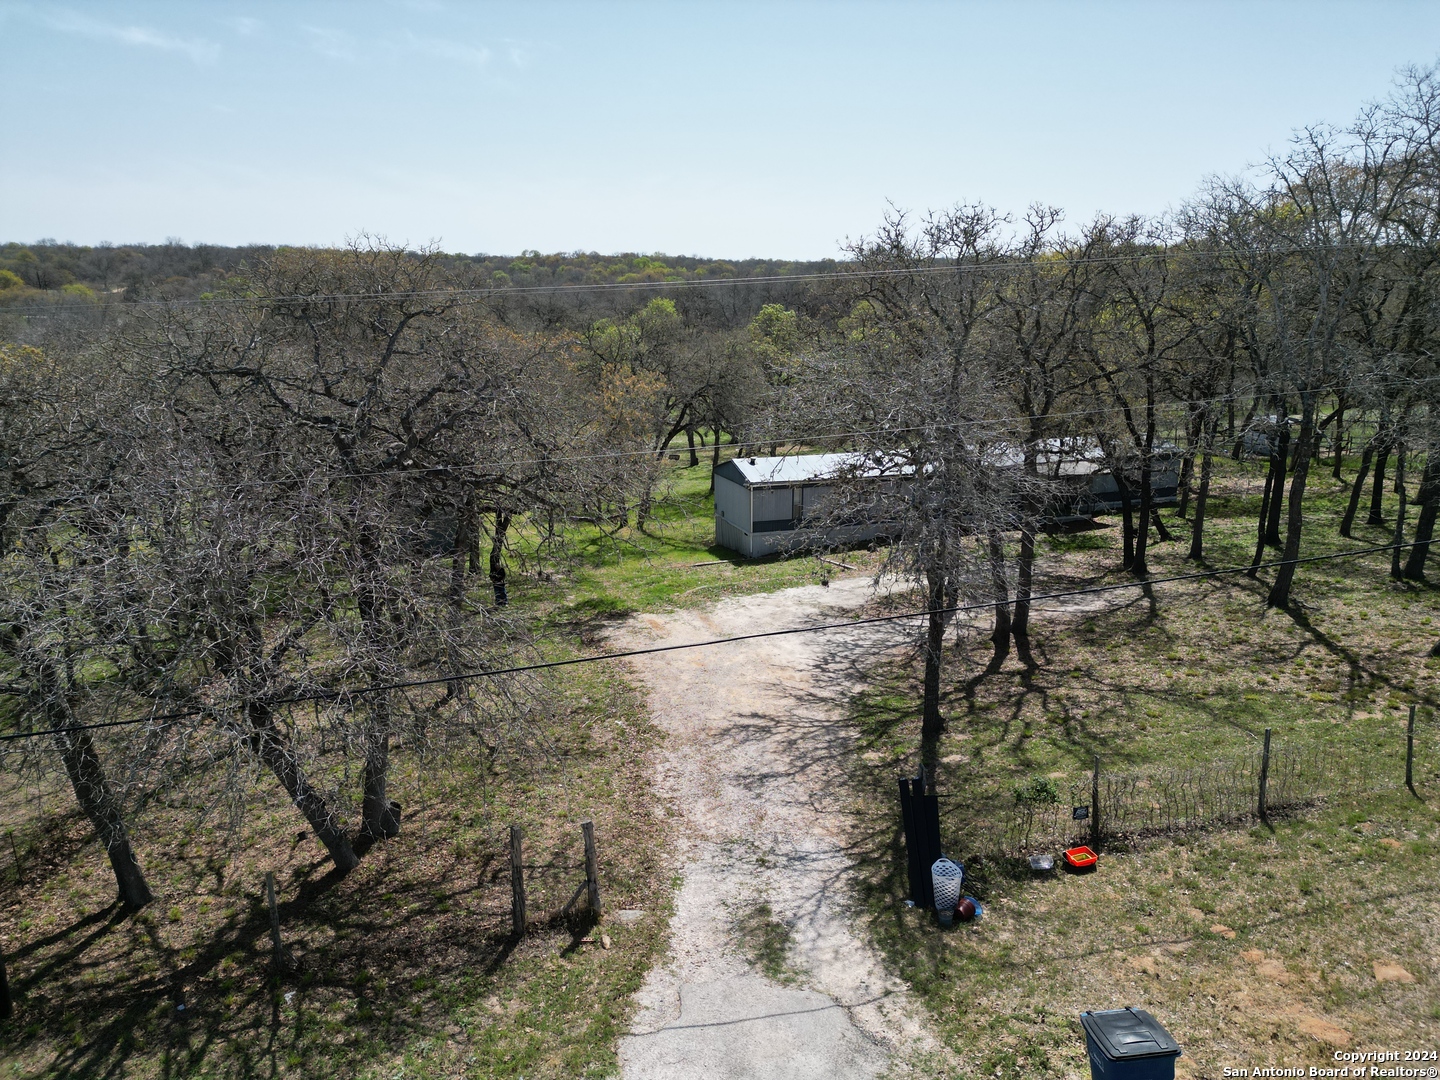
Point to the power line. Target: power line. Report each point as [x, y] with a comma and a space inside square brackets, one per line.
[339, 695]
[561, 459]
[488, 292]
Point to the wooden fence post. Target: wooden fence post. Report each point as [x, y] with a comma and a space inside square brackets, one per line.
[1095, 805]
[517, 883]
[1410, 753]
[1264, 781]
[592, 868]
[277, 956]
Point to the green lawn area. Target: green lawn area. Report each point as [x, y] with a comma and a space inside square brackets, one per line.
[1305, 914]
[654, 568]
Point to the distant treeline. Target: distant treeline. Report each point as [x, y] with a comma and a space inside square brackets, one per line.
[46, 273]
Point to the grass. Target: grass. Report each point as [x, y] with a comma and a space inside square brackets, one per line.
[1253, 948]
[404, 967]
[654, 568]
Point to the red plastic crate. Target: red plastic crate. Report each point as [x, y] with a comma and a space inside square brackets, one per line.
[1080, 858]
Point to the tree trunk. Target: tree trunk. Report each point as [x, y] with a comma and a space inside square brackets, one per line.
[1278, 463]
[1202, 496]
[1000, 635]
[93, 793]
[1280, 591]
[714, 458]
[497, 558]
[460, 551]
[1264, 517]
[1396, 569]
[931, 722]
[1127, 523]
[1356, 490]
[1429, 499]
[380, 818]
[642, 512]
[1162, 534]
[1377, 490]
[97, 800]
[274, 749]
[1141, 567]
[1339, 437]
[690, 440]
[1193, 434]
[1024, 577]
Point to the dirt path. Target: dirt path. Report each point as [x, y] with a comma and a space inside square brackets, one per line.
[754, 764]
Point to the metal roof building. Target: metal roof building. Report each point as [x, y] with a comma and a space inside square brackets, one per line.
[762, 504]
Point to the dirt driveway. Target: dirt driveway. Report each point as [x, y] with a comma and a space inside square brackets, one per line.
[754, 765]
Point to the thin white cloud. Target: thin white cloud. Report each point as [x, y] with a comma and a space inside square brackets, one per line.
[199, 50]
[244, 25]
[519, 56]
[336, 44]
[475, 55]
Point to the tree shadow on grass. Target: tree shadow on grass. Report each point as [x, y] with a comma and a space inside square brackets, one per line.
[362, 952]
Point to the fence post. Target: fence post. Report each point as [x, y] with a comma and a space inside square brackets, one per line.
[1095, 805]
[592, 868]
[517, 884]
[1264, 781]
[276, 955]
[1410, 754]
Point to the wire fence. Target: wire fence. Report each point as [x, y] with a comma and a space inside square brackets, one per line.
[1131, 806]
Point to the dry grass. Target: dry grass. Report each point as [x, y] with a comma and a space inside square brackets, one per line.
[403, 967]
[1254, 948]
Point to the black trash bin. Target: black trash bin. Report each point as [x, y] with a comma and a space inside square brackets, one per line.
[1128, 1044]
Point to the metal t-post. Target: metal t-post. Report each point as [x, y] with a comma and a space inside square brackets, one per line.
[1265, 781]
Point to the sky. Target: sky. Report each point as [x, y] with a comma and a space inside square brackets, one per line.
[721, 129]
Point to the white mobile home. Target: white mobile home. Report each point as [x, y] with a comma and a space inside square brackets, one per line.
[762, 504]
[769, 504]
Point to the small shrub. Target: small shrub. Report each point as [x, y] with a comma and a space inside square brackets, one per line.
[1038, 791]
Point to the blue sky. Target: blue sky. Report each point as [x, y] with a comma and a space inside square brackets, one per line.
[722, 129]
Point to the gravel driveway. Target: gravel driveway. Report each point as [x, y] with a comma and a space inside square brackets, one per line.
[754, 764]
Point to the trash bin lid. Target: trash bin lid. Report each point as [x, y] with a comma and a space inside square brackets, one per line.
[1127, 1034]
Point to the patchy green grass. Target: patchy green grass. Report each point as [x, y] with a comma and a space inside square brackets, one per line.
[1254, 948]
[404, 967]
[672, 562]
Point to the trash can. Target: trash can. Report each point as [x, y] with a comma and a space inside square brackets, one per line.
[946, 877]
[1128, 1044]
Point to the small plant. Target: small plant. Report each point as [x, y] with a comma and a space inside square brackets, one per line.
[1037, 791]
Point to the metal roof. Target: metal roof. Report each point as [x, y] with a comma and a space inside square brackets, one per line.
[802, 469]
[1058, 457]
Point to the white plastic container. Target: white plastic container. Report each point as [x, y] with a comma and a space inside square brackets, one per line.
[947, 877]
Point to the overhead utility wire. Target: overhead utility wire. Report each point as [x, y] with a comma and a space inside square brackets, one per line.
[337, 695]
[482, 467]
[1004, 265]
